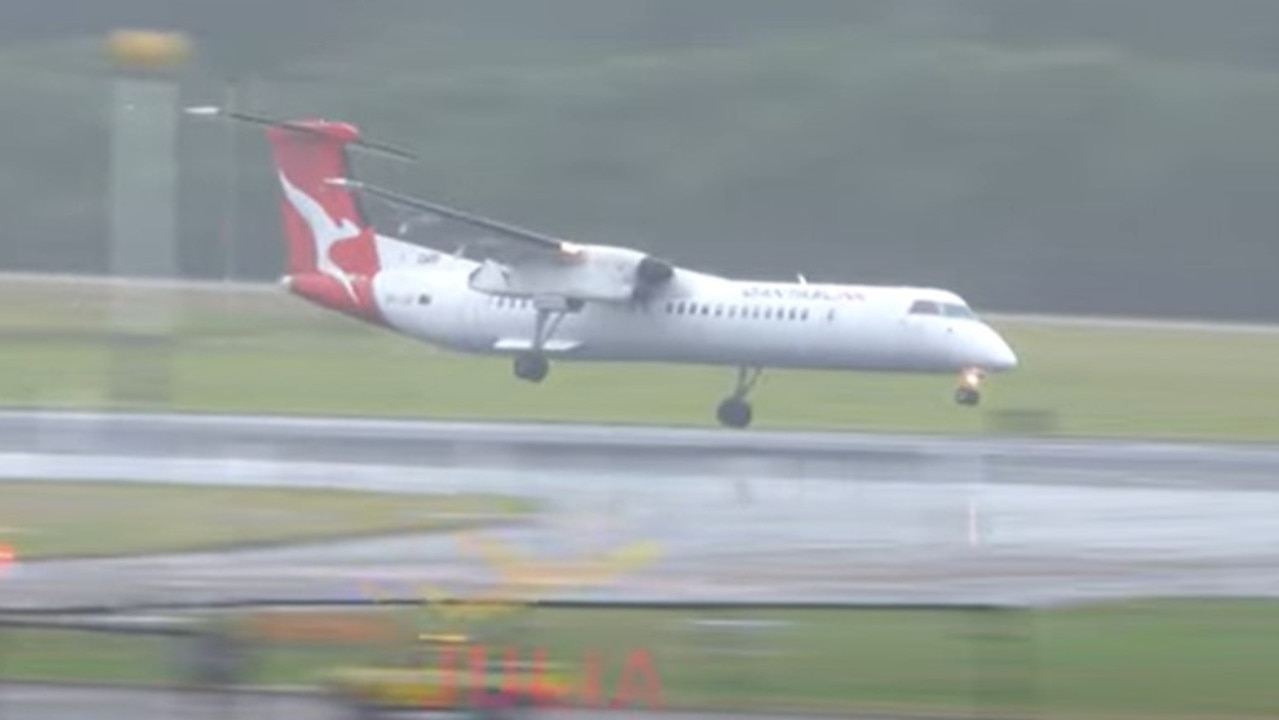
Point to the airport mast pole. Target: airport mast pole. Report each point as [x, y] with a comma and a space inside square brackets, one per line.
[143, 177]
[230, 221]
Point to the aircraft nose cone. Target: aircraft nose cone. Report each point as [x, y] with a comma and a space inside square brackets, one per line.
[998, 354]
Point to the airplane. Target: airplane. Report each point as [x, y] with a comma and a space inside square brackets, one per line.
[535, 297]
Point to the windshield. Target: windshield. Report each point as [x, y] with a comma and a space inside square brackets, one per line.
[932, 307]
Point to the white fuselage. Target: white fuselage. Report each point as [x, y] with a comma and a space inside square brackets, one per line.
[700, 318]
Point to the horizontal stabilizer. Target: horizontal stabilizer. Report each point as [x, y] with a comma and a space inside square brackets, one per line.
[522, 344]
[316, 128]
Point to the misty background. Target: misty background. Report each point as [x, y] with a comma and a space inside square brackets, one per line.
[1072, 156]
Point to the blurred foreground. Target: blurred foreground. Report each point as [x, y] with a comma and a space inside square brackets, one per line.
[1140, 659]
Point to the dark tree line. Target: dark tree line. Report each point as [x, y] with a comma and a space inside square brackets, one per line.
[1083, 156]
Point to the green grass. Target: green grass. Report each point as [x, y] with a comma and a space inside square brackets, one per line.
[1148, 659]
[270, 353]
[42, 520]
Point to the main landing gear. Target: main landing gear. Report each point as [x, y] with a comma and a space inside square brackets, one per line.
[532, 365]
[735, 412]
[968, 393]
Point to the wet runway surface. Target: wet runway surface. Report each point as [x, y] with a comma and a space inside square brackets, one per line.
[796, 517]
[641, 450]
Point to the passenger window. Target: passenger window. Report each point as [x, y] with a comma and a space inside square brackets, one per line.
[423, 299]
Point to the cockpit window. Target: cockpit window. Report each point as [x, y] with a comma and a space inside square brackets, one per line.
[932, 307]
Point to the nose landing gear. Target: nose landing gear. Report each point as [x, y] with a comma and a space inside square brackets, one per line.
[968, 393]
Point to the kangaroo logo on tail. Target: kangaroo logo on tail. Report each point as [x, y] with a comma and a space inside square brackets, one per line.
[325, 232]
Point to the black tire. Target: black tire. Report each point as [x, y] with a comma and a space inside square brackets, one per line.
[734, 413]
[532, 368]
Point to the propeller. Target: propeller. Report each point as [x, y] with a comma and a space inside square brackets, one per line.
[650, 274]
[653, 272]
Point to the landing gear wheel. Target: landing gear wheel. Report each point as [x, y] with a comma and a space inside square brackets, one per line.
[967, 396]
[734, 413]
[531, 367]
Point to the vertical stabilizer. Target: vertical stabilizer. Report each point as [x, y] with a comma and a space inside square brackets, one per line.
[331, 248]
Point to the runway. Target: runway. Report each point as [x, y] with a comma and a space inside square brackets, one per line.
[631, 450]
[738, 516]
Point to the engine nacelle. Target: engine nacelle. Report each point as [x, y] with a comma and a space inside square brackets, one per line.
[587, 272]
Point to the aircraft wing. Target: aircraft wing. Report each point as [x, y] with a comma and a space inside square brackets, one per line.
[519, 261]
[503, 242]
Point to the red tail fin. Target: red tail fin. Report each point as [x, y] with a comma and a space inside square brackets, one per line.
[331, 250]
